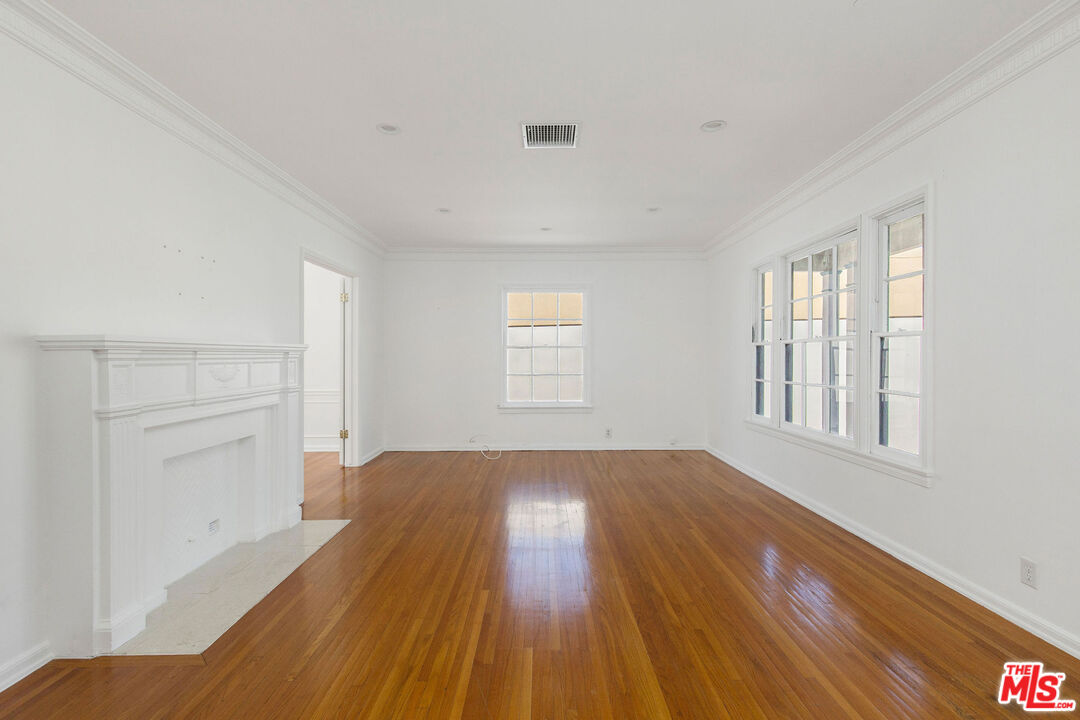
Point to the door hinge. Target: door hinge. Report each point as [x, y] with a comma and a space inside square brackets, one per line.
[343, 434]
[344, 297]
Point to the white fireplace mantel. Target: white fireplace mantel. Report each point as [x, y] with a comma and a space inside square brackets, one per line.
[116, 416]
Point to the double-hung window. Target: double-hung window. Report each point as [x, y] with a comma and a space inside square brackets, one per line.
[762, 334]
[819, 344]
[544, 345]
[849, 374]
[897, 340]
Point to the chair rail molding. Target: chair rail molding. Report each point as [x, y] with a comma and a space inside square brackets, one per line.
[116, 416]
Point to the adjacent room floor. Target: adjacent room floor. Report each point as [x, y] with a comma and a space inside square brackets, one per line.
[570, 585]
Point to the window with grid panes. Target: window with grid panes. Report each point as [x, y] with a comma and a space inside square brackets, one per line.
[545, 347]
[897, 340]
[819, 346]
[762, 335]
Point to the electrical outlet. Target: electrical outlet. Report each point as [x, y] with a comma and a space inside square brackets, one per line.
[673, 442]
[214, 526]
[1029, 573]
[607, 433]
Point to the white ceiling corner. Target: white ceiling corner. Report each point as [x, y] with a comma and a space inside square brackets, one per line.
[58, 38]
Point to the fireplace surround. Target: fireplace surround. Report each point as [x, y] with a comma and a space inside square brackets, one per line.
[154, 456]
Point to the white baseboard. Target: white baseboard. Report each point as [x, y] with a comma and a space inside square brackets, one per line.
[124, 625]
[23, 664]
[364, 460]
[1048, 631]
[371, 456]
[566, 446]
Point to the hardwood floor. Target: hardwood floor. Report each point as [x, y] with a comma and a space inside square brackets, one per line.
[571, 585]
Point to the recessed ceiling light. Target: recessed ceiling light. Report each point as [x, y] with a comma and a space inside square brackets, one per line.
[545, 229]
[442, 210]
[388, 129]
[652, 210]
[713, 125]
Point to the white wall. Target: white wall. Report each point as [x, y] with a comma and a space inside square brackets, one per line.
[110, 224]
[1006, 189]
[444, 370]
[322, 359]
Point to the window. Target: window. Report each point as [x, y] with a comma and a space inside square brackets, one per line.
[819, 345]
[544, 345]
[898, 333]
[762, 335]
[844, 365]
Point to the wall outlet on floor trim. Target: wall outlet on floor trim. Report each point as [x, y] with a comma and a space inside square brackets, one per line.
[1029, 573]
[608, 433]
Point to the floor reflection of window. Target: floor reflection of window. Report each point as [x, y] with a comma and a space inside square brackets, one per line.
[794, 590]
[537, 520]
[546, 560]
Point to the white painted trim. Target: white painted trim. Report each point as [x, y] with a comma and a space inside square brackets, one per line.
[585, 253]
[1048, 33]
[830, 446]
[113, 632]
[23, 664]
[543, 446]
[322, 396]
[1048, 631]
[364, 460]
[349, 395]
[544, 408]
[60, 40]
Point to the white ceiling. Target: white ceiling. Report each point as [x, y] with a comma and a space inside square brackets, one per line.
[305, 83]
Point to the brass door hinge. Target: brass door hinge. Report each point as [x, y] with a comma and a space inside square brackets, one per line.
[343, 434]
[344, 297]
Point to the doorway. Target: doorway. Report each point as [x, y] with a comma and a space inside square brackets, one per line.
[326, 295]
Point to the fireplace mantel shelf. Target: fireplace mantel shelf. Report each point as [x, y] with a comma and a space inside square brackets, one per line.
[126, 342]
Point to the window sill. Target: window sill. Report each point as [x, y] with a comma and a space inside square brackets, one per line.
[544, 408]
[916, 475]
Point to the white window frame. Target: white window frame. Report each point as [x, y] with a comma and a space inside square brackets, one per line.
[878, 326]
[585, 404]
[821, 242]
[769, 343]
[863, 449]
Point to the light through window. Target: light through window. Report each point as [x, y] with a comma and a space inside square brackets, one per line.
[898, 339]
[545, 347]
[850, 342]
[819, 349]
[762, 334]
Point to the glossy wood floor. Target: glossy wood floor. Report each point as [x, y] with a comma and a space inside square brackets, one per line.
[571, 585]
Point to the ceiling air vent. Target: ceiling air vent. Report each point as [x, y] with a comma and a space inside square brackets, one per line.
[549, 136]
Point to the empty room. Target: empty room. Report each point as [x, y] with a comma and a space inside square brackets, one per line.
[597, 360]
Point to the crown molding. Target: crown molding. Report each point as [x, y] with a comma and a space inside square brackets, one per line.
[1048, 33]
[535, 253]
[54, 36]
